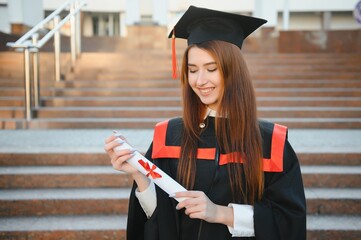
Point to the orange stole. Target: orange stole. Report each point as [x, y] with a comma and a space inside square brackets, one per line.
[274, 164]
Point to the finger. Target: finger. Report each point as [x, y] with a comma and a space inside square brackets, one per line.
[118, 162]
[189, 194]
[119, 158]
[114, 155]
[197, 215]
[189, 202]
[118, 134]
[124, 155]
[194, 209]
[118, 165]
[198, 199]
[115, 143]
[110, 139]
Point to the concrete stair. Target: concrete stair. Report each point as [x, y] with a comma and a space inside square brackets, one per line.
[132, 88]
[79, 196]
[50, 192]
[12, 65]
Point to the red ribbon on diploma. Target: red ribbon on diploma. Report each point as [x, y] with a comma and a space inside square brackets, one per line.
[150, 171]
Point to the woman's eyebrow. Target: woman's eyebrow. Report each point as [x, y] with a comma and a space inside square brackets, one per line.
[206, 64]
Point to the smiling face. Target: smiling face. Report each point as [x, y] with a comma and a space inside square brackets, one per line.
[204, 77]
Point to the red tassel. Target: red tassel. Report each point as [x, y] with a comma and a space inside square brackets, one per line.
[174, 57]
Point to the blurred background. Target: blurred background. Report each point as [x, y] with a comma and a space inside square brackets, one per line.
[71, 71]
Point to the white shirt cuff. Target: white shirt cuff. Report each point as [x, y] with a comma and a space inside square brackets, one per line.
[243, 225]
[147, 199]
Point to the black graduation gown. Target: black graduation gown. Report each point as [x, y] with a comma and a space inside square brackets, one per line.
[281, 214]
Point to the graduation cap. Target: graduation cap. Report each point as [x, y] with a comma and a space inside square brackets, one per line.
[199, 25]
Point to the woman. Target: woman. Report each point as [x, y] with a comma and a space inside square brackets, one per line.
[243, 176]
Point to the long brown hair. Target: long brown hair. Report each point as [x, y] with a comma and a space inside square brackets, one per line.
[237, 134]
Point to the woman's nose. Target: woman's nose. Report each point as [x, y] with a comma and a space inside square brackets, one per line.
[201, 79]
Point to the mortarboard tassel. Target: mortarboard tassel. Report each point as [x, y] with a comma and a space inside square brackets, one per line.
[174, 57]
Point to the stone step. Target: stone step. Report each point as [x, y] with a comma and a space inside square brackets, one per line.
[309, 66]
[12, 101]
[148, 123]
[333, 227]
[112, 101]
[318, 64]
[78, 201]
[176, 83]
[111, 112]
[252, 61]
[257, 68]
[172, 92]
[26, 177]
[176, 101]
[318, 123]
[20, 83]
[309, 101]
[55, 157]
[314, 146]
[165, 57]
[175, 92]
[307, 69]
[303, 57]
[328, 201]
[298, 72]
[168, 112]
[58, 159]
[310, 76]
[163, 67]
[112, 227]
[264, 75]
[331, 176]
[123, 76]
[336, 158]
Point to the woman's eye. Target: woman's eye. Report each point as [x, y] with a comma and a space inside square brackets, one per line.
[192, 71]
[212, 70]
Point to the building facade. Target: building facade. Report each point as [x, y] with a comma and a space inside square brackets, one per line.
[112, 17]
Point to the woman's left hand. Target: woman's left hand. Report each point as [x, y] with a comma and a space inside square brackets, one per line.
[197, 205]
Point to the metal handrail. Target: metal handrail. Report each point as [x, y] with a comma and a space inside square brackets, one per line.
[19, 43]
[29, 43]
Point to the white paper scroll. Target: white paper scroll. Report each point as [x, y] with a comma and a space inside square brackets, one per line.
[146, 167]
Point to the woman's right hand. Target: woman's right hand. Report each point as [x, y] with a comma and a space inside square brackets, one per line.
[119, 158]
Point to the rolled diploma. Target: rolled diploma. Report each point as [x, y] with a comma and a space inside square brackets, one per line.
[146, 167]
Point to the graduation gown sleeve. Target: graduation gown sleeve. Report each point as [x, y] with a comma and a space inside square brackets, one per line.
[281, 214]
[136, 216]
[160, 225]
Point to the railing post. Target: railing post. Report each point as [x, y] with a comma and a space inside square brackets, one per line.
[72, 35]
[57, 49]
[36, 71]
[31, 68]
[78, 31]
[27, 61]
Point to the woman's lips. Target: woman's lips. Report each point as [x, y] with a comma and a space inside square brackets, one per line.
[206, 91]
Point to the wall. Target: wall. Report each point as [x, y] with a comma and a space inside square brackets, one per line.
[248, 5]
[92, 5]
[312, 21]
[338, 41]
[25, 12]
[4, 20]
[32, 12]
